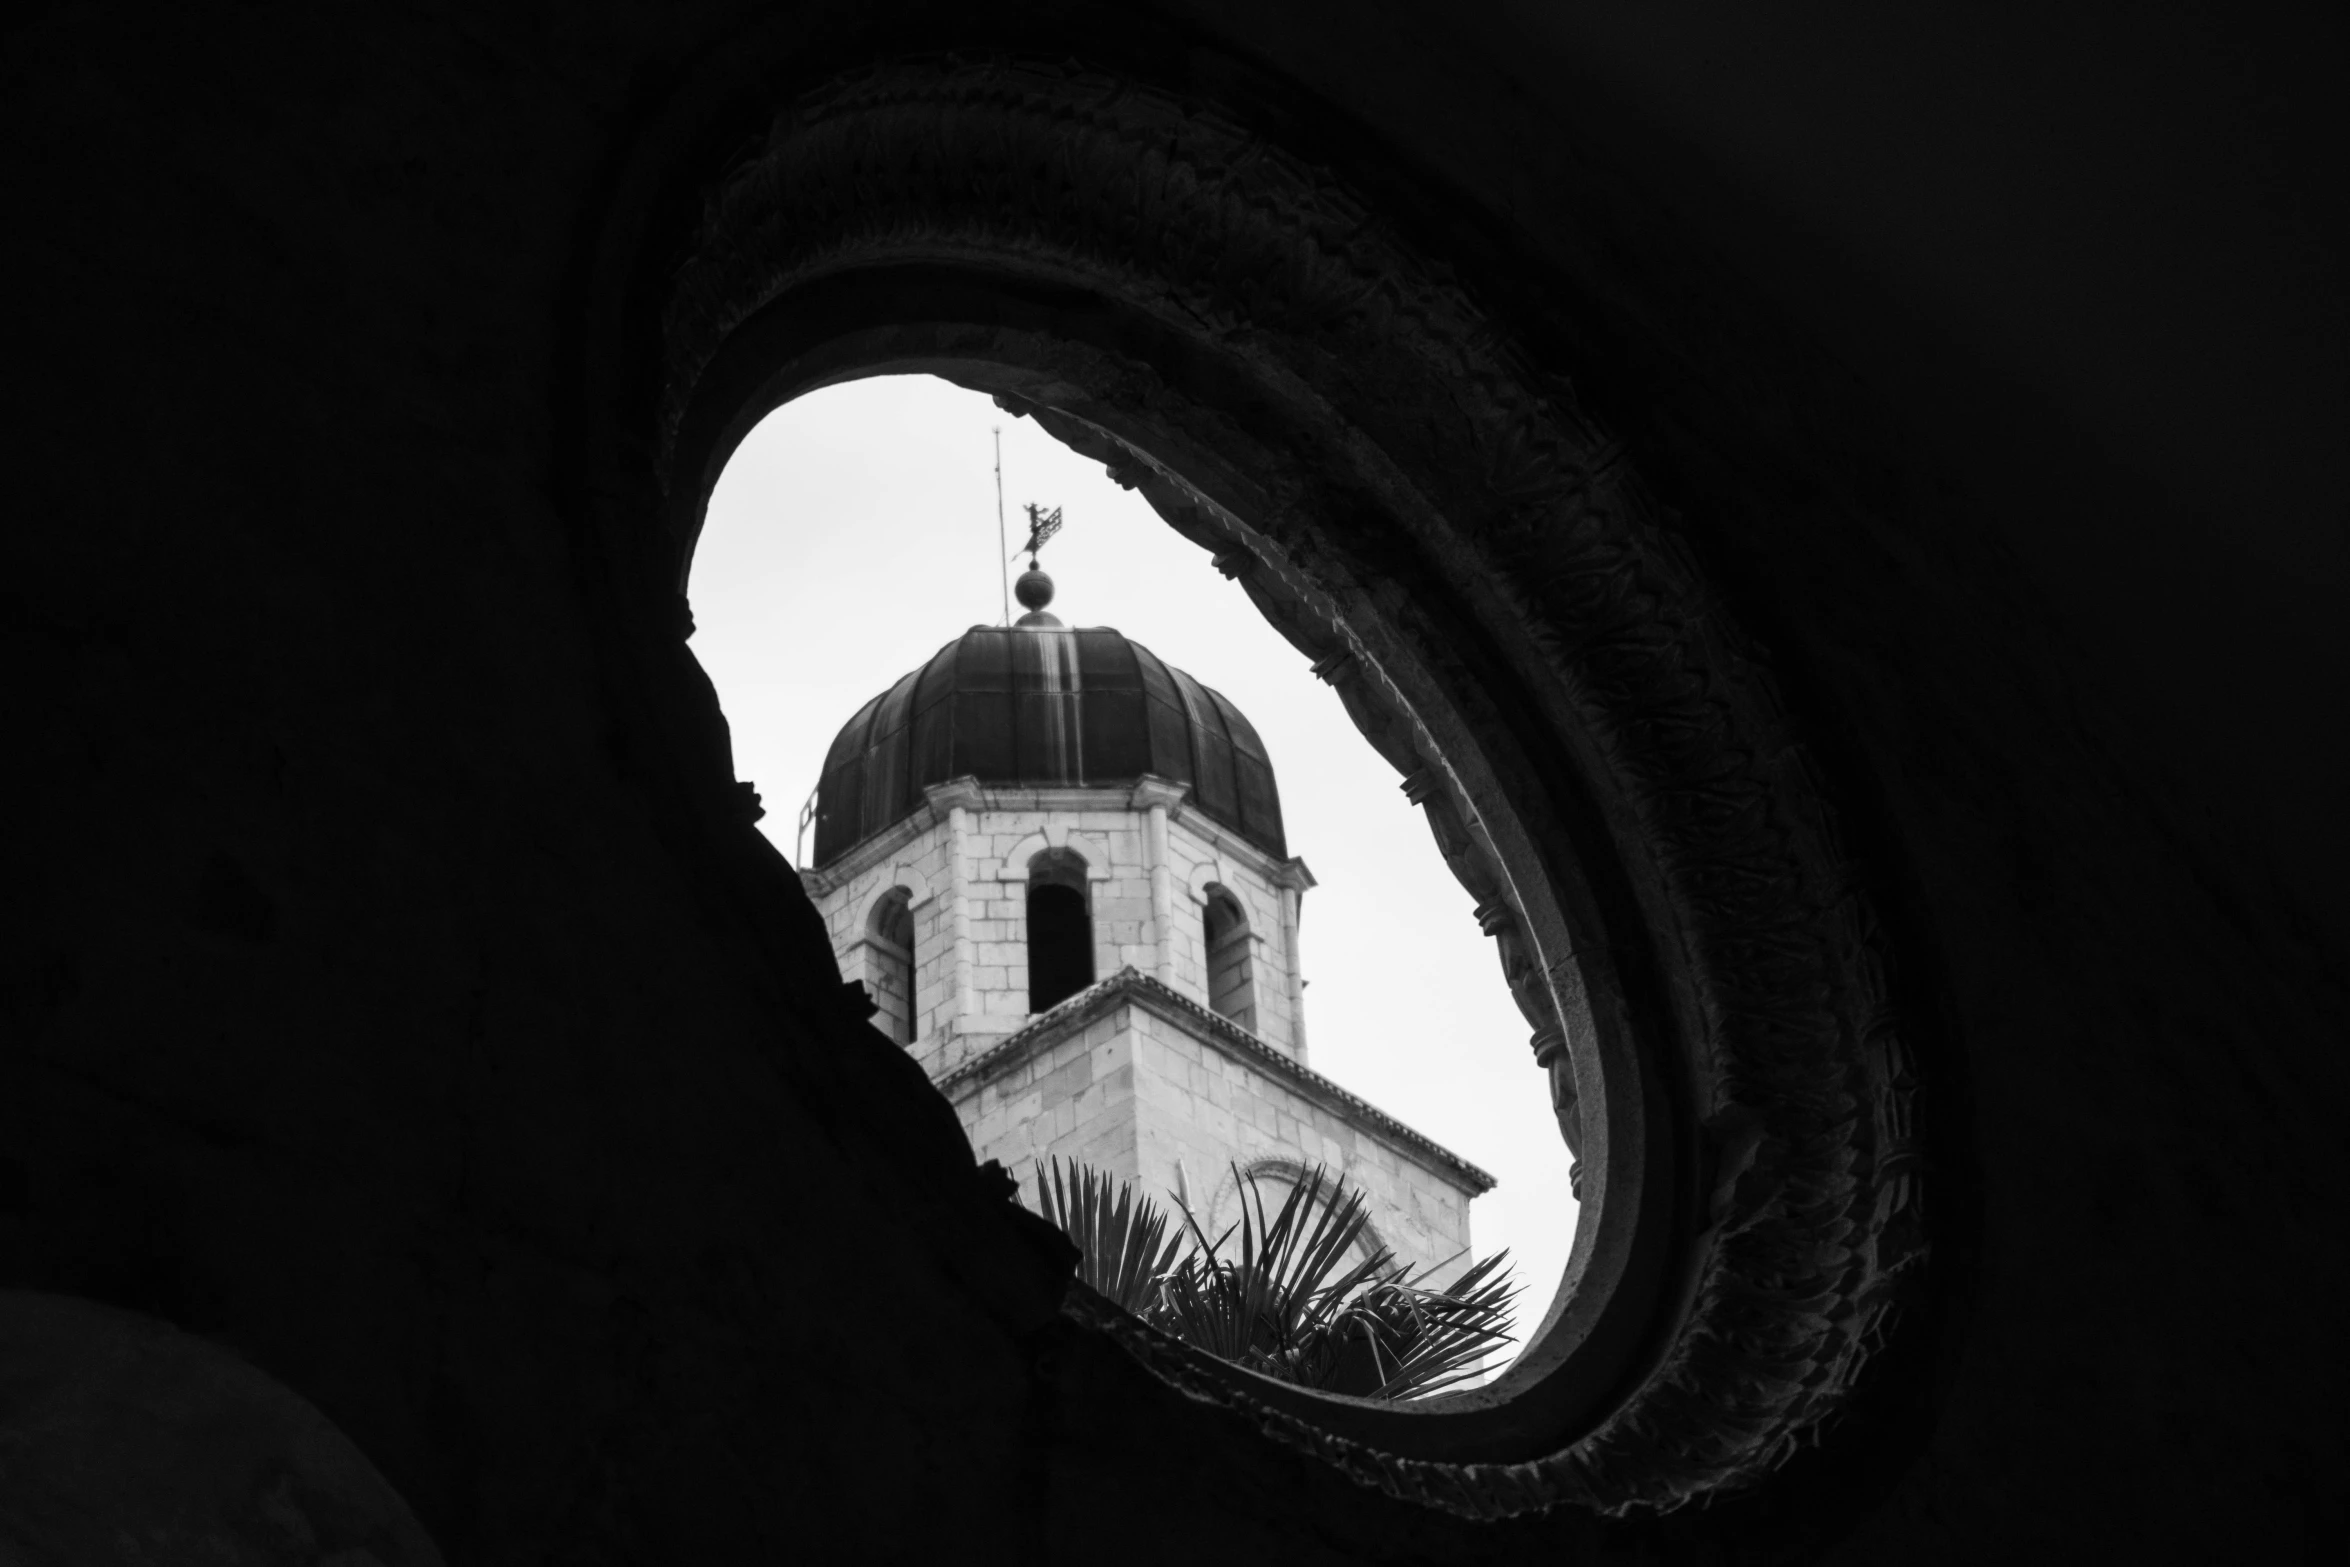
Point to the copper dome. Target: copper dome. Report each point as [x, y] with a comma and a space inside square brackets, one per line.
[1039, 706]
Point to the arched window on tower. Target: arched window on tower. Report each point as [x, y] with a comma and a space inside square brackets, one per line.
[1232, 986]
[1060, 928]
[889, 970]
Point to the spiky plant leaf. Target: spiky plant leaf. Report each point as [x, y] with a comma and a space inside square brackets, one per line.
[1280, 1302]
[1123, 1240]
[1415, 1340]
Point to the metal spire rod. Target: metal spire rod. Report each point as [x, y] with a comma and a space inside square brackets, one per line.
[1004, 568]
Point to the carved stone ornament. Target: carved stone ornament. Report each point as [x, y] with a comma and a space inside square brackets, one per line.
[1435, 523]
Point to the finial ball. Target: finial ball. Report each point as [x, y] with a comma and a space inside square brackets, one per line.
[1034, 590]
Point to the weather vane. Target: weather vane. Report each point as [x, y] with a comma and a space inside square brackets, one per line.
[1042, 525]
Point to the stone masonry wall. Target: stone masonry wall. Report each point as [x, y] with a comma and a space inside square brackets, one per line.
[1209, 1109]
[1135, 1094]
[1073, 1098]
[999, 843]
[1200, 855]
[1118, 891]
[921, 865]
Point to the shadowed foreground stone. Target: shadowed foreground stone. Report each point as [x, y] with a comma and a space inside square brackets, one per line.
[394, 985]
[123, 1440]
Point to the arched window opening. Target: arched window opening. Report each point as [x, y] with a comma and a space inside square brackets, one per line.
[889, 970]
[1060, 929]
[1232, 991]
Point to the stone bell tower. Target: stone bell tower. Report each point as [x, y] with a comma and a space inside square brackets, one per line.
[1057, 865]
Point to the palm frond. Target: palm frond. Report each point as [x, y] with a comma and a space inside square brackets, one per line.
[1420, 1341]
[1123, 1239]
[1268, 1306]
[1284, 1301]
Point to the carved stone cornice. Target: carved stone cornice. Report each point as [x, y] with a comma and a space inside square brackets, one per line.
[1433, 520]
[1130, 986]
[1150, 790]
[875, 850]
[944, 797]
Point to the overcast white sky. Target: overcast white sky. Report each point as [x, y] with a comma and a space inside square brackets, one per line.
[854, 533]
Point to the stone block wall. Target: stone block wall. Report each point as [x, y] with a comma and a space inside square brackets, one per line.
[1142, 1096]
[1000, 838]
[1000, 845]
[1073, 1098]
[1203, 1105]
[922, 863]
[1200, 855]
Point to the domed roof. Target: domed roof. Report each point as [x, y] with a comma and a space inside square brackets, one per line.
[1040, 706]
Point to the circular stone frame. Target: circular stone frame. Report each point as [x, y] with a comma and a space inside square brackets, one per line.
[1427, 514]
